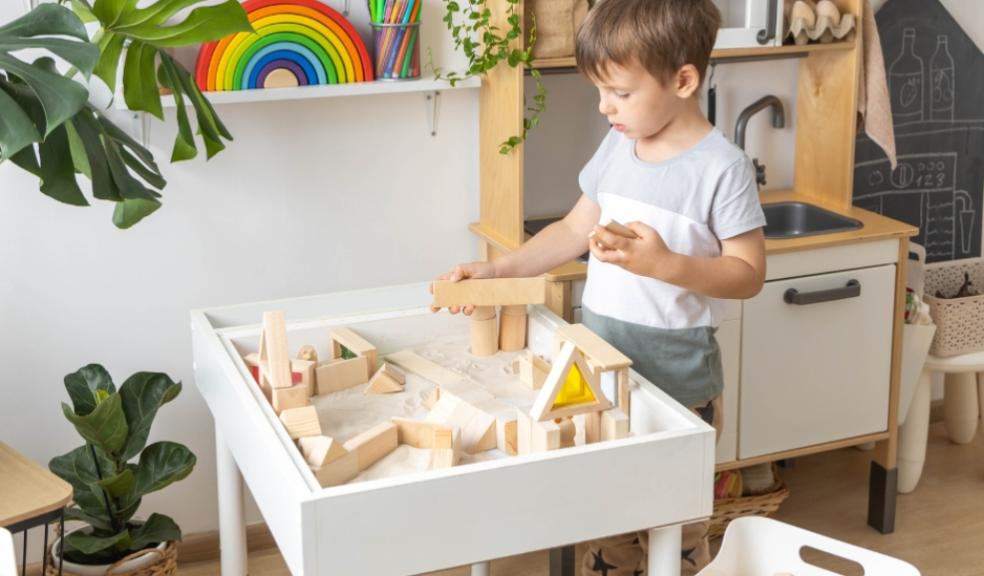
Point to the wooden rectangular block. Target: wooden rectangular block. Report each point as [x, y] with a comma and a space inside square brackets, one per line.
[301, 422]
[600, 354]
[477, 427]
[447, 448]
[294, 397]
[306, 369]
[614, 424]
[490, 292]
[533, 370]
[320, 450]
[524, 433]
[342, 374]
[506, 436]
[592, 427]
[374, 443]
[338, 472]
[273, 359]
[413, 362]
[544, 436]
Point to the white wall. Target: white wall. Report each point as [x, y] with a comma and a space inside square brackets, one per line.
[313, 196]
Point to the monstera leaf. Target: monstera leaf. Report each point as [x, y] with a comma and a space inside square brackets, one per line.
[36, 100]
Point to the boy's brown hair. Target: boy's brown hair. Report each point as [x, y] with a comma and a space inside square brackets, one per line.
[660, 35]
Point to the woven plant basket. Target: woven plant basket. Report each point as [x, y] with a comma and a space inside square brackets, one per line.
[727, 509]
[167, 565]
[959, 321]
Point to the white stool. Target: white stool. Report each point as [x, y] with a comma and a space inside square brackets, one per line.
[963, 403]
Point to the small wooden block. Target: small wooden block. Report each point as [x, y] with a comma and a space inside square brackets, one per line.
[320, 450]
[477, 427]
[567, 432]
[512, 329]
[624, 397]
[533, 370]
[381, 383]
[506, 436]
[599, 353]
[374, 443]
[341, 374]
[614, 424]
[447, 448]
[544, 436]
[592, 427]
[306, 369]
[484, 337]
[338, 472]
[490, 292]
[416, 433]
[356, 344]
[412, 362]
[524, 433]
[619, 229]
[301, 422]
[285, 398]
[432, 398]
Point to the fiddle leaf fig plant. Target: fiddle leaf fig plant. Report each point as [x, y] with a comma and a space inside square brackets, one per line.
[486, 46]
[108, 484]
[48, 126]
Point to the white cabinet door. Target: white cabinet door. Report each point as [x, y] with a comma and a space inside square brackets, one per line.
[729, 339]
[816, 372]
[749, 23]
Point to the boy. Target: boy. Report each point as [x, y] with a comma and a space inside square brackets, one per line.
[690, 197]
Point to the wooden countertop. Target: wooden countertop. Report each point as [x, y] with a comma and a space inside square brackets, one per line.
[28, 489]
[875, 227]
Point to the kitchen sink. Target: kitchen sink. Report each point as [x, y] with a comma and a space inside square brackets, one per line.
[796, 219]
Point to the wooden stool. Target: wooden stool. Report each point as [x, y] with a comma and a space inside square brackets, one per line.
[32, 496]
[963, 403]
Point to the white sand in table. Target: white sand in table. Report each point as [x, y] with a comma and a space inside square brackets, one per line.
[487, 382]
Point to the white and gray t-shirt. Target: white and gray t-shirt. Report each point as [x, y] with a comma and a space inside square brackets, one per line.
[693, 200]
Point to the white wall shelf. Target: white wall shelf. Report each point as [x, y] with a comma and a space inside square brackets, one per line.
[322, 91]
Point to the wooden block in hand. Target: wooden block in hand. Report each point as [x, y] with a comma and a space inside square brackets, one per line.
[619, 229]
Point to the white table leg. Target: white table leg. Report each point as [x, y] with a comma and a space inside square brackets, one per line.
[232, 517]
[913, 435]
[664, 551]
[960, 407]
[481, 569]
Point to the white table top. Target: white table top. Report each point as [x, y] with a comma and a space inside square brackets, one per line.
[971, 362]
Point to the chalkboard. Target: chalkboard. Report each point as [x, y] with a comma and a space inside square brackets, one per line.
[936, 84]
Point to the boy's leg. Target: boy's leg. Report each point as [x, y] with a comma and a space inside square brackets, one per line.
[625, 555]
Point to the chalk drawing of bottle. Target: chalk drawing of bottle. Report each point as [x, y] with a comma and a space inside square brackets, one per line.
[905, 79]
[941, 81]
[965, 213]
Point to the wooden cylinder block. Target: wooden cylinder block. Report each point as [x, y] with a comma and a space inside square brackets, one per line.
[512, 328]
[484, 336]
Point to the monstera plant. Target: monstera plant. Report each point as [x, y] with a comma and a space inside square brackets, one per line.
[108, 485]
[49, 127]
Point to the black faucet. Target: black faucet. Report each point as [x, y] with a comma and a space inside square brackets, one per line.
[778, 121]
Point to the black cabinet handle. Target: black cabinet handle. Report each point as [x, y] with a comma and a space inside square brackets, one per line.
[794, 296]
[767, 34]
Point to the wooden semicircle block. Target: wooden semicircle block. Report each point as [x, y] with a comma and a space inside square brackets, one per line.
[571, 388]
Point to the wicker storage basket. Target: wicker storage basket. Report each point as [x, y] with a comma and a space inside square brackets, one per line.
[727, 509]
[959, 321]
[166, 566]
[556, 23]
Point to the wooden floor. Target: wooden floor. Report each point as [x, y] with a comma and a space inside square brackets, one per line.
[939, 527]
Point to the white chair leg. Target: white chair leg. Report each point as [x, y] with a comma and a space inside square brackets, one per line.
[913, 435]
[960, 406]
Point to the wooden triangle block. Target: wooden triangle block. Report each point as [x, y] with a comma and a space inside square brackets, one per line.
[385, 381]
[321, 450]
[567, 359]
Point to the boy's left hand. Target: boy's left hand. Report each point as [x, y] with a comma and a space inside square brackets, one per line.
[647, 255]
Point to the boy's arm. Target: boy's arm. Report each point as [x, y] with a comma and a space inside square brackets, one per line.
[738, 273]
[556, 244]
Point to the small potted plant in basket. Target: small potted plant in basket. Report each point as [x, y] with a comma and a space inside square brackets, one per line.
[112, 471]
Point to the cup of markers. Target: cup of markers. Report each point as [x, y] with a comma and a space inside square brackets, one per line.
[396, 38]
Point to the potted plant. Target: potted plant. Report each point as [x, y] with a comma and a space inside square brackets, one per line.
[112, 472]
[486, 45]
[52, 130]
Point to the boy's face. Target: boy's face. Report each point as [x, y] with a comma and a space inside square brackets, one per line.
[635, 103]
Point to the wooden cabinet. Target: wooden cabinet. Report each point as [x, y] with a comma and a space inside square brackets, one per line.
[816, 360]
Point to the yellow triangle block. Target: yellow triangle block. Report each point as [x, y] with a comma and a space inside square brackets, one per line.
[575, 390]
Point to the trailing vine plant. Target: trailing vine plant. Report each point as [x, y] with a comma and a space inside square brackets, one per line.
[485, 46]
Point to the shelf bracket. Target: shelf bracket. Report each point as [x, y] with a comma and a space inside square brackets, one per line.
[432, 102]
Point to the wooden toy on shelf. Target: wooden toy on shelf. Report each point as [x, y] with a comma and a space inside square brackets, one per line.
[513, 294]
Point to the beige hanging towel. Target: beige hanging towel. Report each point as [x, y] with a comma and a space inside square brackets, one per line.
[874, 106]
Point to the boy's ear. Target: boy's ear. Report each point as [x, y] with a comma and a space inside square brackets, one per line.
[687, 81]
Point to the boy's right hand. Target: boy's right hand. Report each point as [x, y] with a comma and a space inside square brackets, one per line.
[473, 270]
